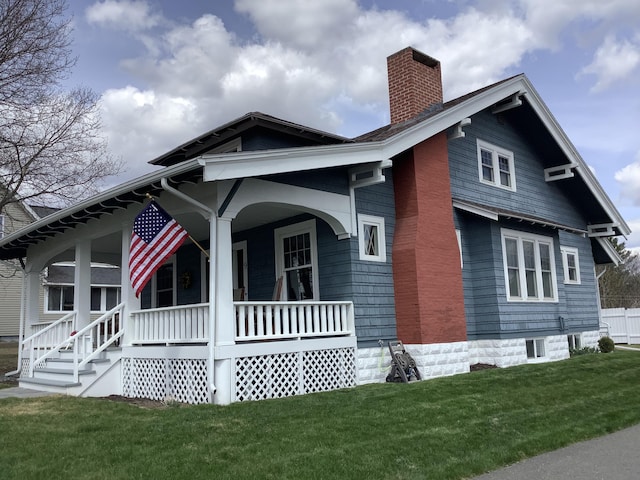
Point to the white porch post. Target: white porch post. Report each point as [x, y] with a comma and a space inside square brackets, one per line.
[225, 329]
[82, 283]
[32, 298]
[127, 294]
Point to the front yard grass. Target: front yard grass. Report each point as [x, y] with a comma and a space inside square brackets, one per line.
[447, 428]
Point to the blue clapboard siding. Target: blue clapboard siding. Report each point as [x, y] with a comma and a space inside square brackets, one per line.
[582, 300]
[489, 314]
[342, 275]
[533, 196]
[373, 281]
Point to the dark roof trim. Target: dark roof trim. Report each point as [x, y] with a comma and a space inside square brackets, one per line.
[233, 129]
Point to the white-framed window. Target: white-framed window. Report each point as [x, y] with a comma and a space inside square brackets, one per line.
[371, 238]
[574, 341]
[59, 298]
[459, 238]
[571, 265]
[104, 298]
[529, 267]
[535, 348]
[297, 261]
[163, 285]
[496, 166]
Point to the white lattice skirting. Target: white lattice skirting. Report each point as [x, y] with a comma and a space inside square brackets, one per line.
[180, 379]
[295, 373]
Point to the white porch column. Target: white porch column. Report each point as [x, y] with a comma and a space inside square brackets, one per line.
[225, 329]
[32, 298]
[82, 283]
[127, 293]
[224, 321]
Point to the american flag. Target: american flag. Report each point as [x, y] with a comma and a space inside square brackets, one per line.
[156, 236]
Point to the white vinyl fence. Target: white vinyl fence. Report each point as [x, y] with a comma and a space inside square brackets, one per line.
[621, 324]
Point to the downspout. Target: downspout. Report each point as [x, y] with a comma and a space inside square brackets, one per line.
[210, 215]
[22, 321]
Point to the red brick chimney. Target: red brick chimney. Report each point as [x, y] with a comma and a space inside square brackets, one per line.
[415, 83]
[426, 261]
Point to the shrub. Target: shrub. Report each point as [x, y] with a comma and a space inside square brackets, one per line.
[606, 345]
[582, 351]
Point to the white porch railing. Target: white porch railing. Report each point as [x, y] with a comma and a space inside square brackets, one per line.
[46, 335]
[253, 321]
[171, 325]
[87, 343]
[287, 320]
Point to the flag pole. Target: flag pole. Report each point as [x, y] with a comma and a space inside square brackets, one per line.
[195, 242]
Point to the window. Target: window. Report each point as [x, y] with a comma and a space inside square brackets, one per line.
[59, 298]
[535, 348]
[297, 260]
[104, 299]
[371, 239]
[459, 238]
[164, 284]
[570, 264]
[496, 166]
[529, 267]
[574, 342]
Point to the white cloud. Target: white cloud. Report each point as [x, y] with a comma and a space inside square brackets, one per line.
[317, 63]
[300, 23]
[629, 180]
[613, 62]
[123, 15]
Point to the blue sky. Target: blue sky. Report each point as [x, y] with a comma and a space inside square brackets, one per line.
[168, 71]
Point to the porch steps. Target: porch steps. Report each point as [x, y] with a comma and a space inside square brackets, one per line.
[57, 375]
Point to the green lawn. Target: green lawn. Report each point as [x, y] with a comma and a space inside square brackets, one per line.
[446, 428]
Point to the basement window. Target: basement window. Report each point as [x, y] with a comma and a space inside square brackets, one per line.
[535, 348]
[574, 341]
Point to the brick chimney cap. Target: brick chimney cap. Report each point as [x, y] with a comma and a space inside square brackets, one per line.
[417, 56]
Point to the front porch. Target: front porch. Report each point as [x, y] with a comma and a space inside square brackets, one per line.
[279, 349]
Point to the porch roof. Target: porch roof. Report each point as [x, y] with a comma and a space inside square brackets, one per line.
[135, 191]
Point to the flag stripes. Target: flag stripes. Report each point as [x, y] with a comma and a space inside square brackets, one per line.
[156, 236]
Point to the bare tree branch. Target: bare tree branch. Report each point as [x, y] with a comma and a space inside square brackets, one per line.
[51, 150]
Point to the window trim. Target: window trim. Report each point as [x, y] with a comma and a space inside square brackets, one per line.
[47, 288]
[308, 226]
[495, 166]
[566, 251]
[574, 340]
[535, 345]
[537, 240]
[378, 222]
[174, 283]
[103, 296]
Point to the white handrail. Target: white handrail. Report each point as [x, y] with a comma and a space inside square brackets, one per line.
[86, 354]
[103, 339]
[34, 340]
